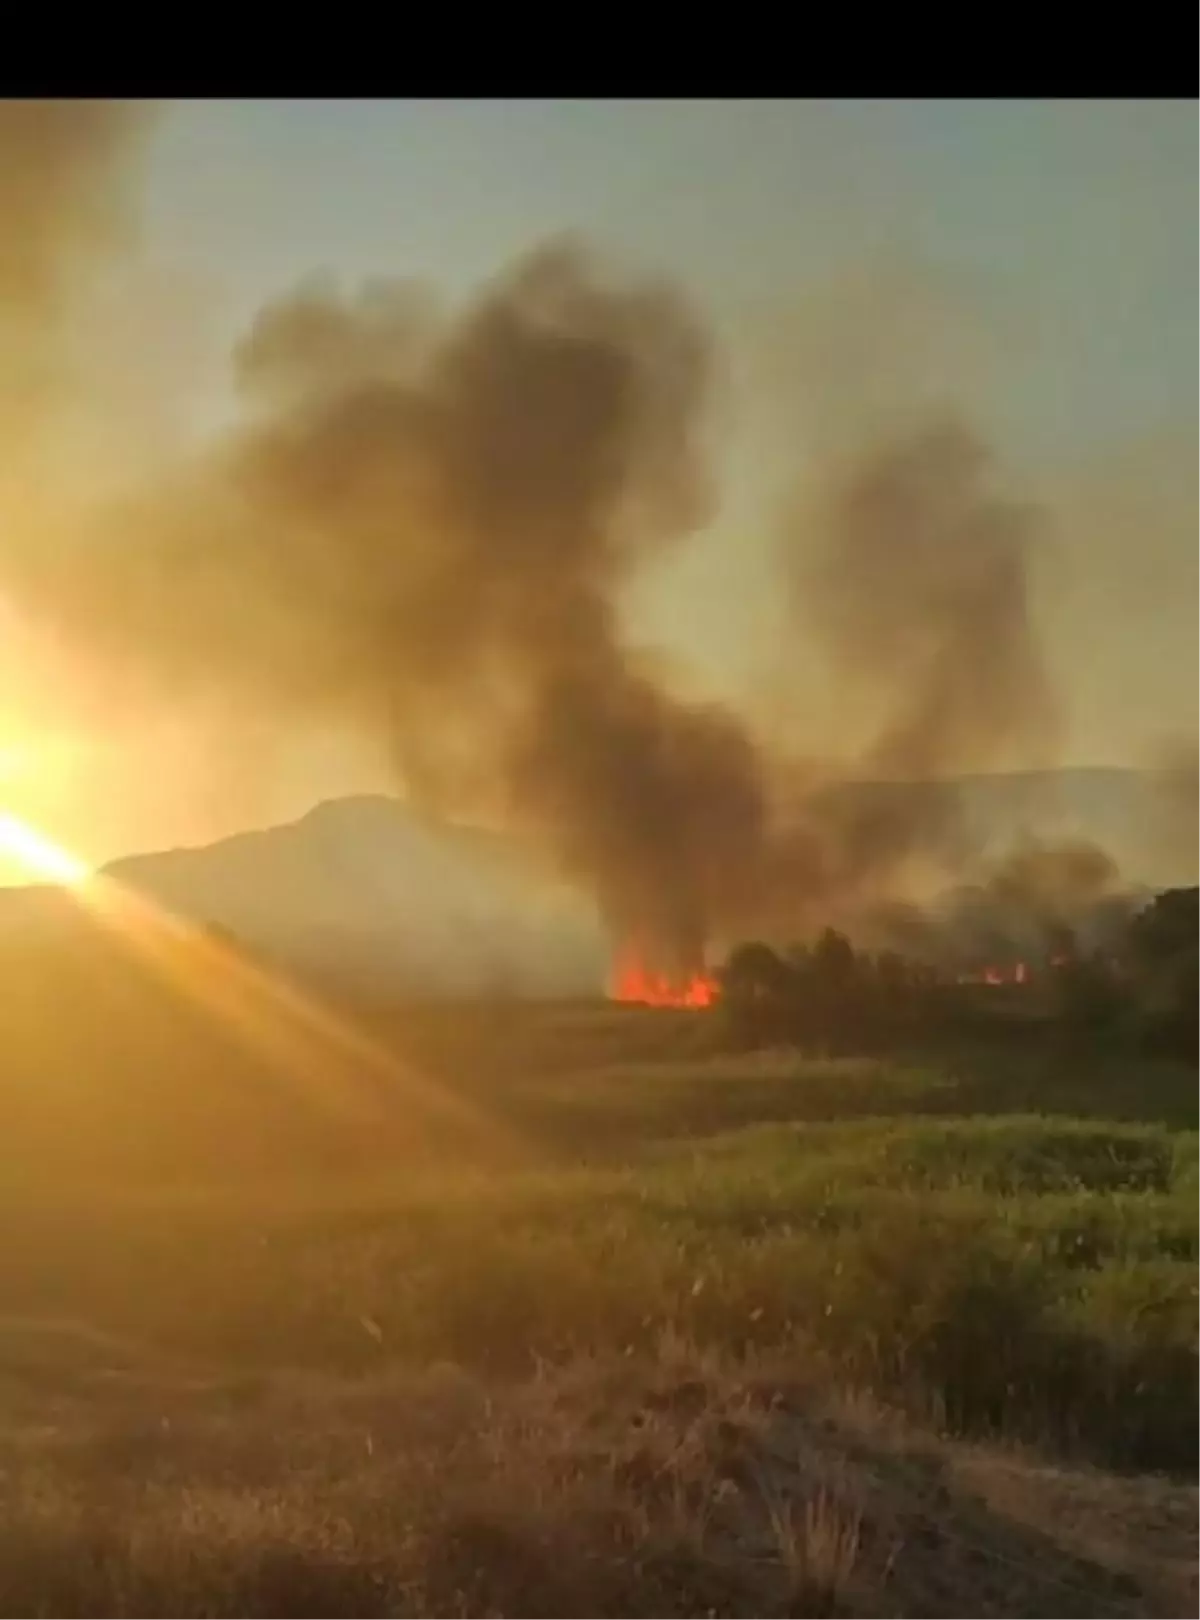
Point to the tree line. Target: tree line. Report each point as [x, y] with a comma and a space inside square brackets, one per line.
[1142, 988]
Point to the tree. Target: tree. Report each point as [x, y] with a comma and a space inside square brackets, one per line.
[1163, 963]
[893, 972]
[1086, 996]
[1166, 929]
[834, 963]
[756, 987]
[839, 995]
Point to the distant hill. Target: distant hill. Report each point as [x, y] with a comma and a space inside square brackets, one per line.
[132, 1052]
[365, 889]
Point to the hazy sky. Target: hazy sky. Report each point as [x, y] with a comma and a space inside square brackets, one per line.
[1073, 224]
[1043, 258]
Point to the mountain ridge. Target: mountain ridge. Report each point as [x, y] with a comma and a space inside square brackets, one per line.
[369, 889]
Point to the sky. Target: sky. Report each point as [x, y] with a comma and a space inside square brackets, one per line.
[1037, 261]
[1073, 221]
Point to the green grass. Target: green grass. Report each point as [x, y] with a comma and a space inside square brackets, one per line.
[936, 1237]
[1023, 1277]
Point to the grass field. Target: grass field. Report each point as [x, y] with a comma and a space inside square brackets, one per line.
[635, 1326]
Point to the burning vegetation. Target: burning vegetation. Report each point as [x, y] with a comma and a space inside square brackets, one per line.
[633, 981]
[1138, 989]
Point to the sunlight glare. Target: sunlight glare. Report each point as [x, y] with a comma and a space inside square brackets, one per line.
[38, 855]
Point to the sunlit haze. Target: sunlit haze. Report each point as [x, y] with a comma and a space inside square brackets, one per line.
[34, 858]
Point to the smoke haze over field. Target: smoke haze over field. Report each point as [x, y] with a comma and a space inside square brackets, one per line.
[422, 527]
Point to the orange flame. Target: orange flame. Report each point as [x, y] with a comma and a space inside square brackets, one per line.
[1017, 973]
[634, 982]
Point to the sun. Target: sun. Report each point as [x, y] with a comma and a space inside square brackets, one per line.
[38, 855]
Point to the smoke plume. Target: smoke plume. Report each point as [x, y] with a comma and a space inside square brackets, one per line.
[908, 567]
[1035, 902]
[423, 525]
[919, 591]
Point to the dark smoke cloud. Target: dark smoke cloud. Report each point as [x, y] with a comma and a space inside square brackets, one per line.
[423, 526]
[1036, 901]
[909, 569]
[918, 590]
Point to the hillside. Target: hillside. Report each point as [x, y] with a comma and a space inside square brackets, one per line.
[365, 889]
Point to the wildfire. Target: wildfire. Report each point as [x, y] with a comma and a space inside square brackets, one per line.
[1013, 973]
[633, 981]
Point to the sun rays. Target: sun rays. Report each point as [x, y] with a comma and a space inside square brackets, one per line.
[322, 1054]
[38, 857]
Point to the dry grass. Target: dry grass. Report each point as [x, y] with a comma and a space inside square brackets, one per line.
[818, 1540]
[654, 1367]
[669, 1484]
